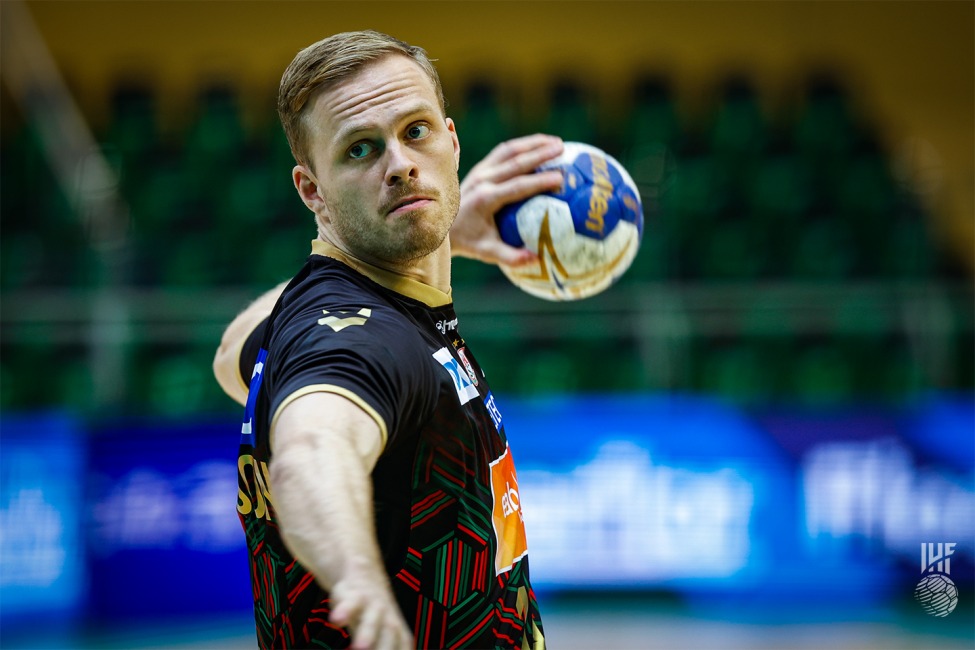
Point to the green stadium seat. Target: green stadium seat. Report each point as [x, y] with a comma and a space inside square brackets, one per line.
[652, 166]
[570, 115]
[689, 210]
[867, 193]
[178, 382]
[22, 259]
[216, 139]
[157, 204]
[192, 260]
[548, 370]
[963, 372]
[14, 179]
[499, 359]
[825, 130]
[781, 188]
[606, 365]
[281, 254]
[8, 394]
[653, 119]
[29, 362]
[739, 131]
[909, 253]
[734, 248]
[825, 250]
[697, 194]
[133, 129]
[482, 124]
[248, 198]
[178, 385]
[471, 273]
[823, 375]
[738, 372]
[73, 383]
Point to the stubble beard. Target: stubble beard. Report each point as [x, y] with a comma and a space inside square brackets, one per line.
[411, 236]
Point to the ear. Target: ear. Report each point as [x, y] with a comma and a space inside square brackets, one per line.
[308, 189]
[453, 136]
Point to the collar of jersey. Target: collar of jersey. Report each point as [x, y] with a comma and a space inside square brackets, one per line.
[393, 281]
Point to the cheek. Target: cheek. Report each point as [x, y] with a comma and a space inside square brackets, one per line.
[349, 191]
[445, 154]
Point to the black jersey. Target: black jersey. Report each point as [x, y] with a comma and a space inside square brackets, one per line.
[447, 511]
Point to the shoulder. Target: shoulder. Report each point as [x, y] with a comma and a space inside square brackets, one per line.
[335, 307]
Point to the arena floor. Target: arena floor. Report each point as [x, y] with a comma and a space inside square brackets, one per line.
[630, 623]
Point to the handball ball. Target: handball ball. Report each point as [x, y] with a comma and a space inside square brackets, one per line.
[586, 233]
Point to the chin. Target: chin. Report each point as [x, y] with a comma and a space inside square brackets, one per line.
[421, 241]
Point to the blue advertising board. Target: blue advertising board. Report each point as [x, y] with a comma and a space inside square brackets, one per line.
[164, 536]
[674, 492]
[137, 519]
[42, 563]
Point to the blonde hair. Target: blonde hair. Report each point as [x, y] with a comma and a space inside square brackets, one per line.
[329, 60]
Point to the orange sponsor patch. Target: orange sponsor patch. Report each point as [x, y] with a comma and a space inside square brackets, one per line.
[509, 524]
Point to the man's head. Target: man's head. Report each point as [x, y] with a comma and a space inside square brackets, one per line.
[329, 60]
[376, 157]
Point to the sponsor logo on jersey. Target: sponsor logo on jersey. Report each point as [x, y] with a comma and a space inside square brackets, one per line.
[257, 498]
[466, 391]
[508, 522]
[339, 324]
[444, 325]
[493, 410]
[467, 365]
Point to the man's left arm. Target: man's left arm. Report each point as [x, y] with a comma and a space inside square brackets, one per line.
[226, 362]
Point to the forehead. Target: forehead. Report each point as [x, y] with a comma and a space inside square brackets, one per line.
[378, 92]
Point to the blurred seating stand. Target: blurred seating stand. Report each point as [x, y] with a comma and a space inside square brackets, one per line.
[780, 260]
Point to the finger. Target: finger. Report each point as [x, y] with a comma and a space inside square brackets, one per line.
[345, 611]
[404, 639]
[523, 163]
[498, 252]
[388, 636]
[520, 188]
[512, 148]
[368, 628]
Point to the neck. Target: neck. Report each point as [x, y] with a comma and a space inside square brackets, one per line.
[432, 269]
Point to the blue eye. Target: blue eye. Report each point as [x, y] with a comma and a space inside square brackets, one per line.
[418, 131]
[360, 150]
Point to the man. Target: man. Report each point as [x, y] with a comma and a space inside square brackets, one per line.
[377, 490]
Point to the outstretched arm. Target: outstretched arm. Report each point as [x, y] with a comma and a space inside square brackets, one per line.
[504, 176]
[324, 449]
[226, 363]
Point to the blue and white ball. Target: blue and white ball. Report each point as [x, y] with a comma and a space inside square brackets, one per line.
[585, 234]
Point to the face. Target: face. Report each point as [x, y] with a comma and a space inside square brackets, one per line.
[385, 163]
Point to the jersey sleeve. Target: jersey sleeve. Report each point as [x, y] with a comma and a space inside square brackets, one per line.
[248, 353]
[374, 357]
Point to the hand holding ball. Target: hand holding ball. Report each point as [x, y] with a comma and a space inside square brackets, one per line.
[586, 233]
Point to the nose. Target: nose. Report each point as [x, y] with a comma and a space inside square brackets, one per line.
[401, 167]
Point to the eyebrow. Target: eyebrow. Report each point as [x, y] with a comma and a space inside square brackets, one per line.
[347, 132]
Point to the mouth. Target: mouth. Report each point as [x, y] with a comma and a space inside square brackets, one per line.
[410, 203]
